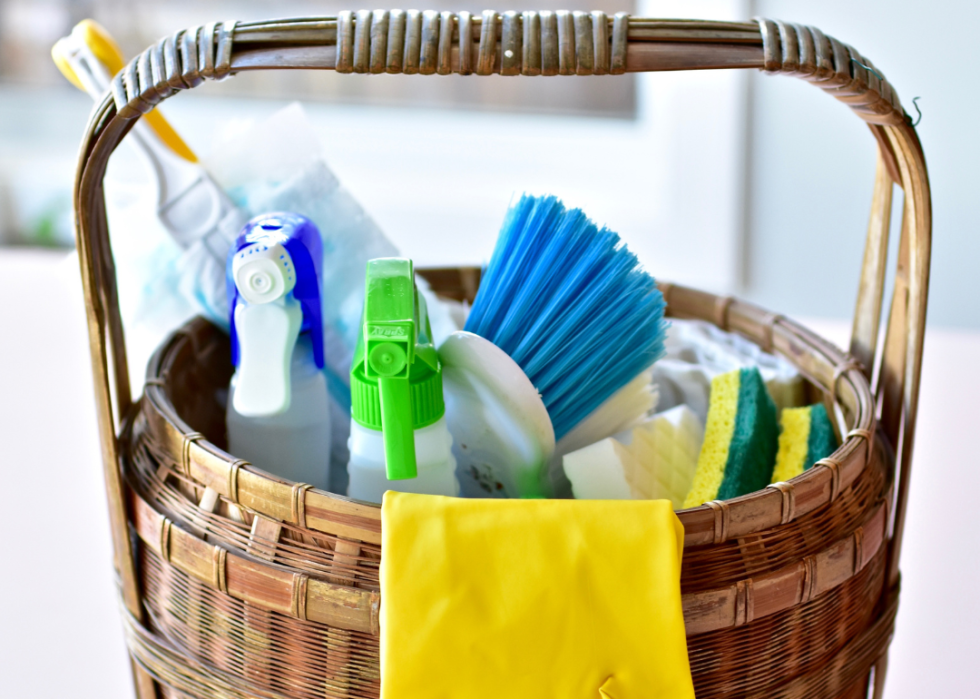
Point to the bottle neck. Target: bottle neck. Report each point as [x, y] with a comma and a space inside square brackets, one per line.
[303, 363]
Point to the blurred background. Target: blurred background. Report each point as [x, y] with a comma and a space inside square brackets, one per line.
[736, 182]
[731, 181]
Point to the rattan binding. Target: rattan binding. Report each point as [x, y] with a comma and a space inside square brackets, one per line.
[236, 583]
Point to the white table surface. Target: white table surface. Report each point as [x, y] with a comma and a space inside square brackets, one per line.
[60, 633]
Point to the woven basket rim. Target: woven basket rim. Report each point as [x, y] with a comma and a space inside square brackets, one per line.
[313, 597]
[826, 366]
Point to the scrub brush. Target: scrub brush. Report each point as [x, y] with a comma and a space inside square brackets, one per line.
[566, 306]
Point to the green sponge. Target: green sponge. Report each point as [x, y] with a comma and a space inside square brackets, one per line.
[740, 439]
[806, 436]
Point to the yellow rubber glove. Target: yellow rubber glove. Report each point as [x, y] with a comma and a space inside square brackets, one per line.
[531, 599]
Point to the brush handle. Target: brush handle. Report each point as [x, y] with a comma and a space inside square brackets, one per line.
[89, 57]
[528, 43]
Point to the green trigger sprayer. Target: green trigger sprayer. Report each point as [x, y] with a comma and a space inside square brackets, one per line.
[399, 438]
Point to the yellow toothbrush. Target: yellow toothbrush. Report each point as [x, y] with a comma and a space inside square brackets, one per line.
[190, 204]
[89, 35]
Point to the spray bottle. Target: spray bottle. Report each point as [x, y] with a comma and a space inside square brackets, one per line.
[278, 413]
[399, 439]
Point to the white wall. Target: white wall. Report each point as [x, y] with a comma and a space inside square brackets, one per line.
[812, 161]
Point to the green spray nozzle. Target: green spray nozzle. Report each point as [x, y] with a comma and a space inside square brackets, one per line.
[396, 378]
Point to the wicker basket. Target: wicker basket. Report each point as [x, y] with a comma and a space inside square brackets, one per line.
[236, 583]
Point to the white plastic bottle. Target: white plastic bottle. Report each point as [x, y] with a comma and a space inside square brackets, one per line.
[435, 463]
[293, 444]
[278, 414]
[399, 439]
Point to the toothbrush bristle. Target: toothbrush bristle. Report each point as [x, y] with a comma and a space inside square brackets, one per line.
[571, 305]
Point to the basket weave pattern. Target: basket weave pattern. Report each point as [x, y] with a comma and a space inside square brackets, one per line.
[238, 584]
[803, 589]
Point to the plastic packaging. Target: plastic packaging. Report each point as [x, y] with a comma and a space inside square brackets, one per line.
[698, 351]
[399, 439]
[277, 165]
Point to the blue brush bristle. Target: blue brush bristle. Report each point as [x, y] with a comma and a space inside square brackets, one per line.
[571, 305]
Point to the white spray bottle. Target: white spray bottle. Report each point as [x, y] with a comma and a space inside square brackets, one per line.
[398, 438]
[278, 413]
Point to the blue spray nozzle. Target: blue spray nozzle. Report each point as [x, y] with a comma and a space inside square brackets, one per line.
[291, 254]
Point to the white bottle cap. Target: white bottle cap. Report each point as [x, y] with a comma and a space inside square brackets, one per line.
[263, 273]
[267, 322]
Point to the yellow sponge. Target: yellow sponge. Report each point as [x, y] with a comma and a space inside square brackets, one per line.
[668, 445]
[806, 437]
[740, 439]
[722, 407]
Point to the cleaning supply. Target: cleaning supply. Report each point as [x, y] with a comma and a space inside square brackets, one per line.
[171, 265]
[502, 436]
[569, 307]
[626, 408]
[740, 439]
[806, 436]
[629, 406]
[278, 164]
[89, 57]
[399, 439]
[697, 351]
[278, 414]
[607, 470]
[191, 206]
[656, 459]
[526, 599]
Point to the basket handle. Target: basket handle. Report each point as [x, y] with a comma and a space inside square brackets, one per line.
[527, 43]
